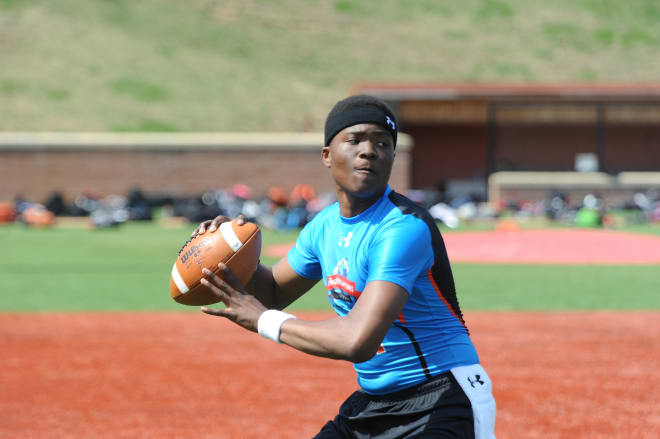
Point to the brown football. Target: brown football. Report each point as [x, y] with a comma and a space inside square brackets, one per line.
[238, 246]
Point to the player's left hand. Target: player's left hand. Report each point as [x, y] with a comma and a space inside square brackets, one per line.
[241, 307]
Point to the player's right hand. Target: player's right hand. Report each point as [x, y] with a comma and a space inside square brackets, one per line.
[240, 307]
[212, 225]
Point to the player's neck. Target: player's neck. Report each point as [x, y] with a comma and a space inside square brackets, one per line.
[351, 205]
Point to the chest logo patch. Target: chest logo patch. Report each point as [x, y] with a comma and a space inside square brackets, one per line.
[345, 241]
[339, 286]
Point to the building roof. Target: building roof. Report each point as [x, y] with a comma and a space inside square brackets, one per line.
[401, 91]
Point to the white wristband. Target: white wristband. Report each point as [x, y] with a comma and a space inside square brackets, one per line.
[270, 322]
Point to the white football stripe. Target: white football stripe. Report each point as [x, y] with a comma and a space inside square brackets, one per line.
[178, 280]
[229, 235]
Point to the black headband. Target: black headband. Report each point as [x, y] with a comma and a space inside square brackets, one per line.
[359, 114]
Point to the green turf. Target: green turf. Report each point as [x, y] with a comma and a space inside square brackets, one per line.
[646, 229]
[557, 287]
[128, 268]
[279, 65]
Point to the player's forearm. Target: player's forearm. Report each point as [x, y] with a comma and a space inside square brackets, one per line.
[262, 285]
[335, 338]
[278, 286]
[354, 337]
[265, 288]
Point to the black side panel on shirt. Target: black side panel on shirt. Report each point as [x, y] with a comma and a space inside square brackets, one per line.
[418, 350]
[441, 270]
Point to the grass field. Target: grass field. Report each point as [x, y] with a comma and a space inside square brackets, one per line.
[128, 268]
[255, 65]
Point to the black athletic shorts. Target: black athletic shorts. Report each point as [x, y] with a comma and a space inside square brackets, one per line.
[437, 408]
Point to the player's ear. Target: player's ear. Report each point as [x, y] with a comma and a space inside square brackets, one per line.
[325, 156]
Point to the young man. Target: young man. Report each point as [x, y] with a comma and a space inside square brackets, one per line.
[385, 267]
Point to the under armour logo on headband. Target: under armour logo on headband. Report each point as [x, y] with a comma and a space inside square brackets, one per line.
[390, 122]
[356, 110]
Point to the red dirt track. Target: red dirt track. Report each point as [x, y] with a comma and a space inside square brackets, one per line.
[602, 247]
[189, 375]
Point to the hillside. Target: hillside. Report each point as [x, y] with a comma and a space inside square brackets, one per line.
[258, 65]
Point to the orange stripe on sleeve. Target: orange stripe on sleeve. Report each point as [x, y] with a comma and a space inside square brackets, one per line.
[429, 274]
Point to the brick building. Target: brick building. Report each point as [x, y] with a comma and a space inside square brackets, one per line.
[458, 136]
[35, 164]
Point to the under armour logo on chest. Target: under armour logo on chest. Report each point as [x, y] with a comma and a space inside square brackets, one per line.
[345, 241]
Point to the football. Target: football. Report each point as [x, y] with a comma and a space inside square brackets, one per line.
[238, 246]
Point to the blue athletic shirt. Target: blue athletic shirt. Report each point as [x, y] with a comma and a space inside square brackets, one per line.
[393, 240]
